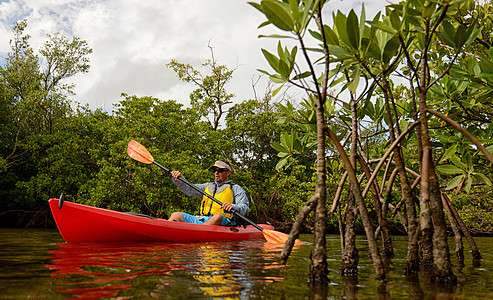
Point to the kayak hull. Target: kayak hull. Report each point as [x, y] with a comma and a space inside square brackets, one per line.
[80, 223]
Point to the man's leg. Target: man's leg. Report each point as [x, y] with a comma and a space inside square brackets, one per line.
[215, 220]
[176, 216]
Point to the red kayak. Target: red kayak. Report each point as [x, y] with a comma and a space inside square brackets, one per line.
[86, 224]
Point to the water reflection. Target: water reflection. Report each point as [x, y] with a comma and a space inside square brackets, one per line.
[349, 287]
[35, 265]
[208, 269]
[214, 271]
[98, 270]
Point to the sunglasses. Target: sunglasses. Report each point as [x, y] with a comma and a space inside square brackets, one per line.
[219, 170]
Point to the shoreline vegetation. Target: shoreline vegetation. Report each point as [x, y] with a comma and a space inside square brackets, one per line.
[476, 215]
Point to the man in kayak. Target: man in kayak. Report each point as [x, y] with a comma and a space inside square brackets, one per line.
[223, 189]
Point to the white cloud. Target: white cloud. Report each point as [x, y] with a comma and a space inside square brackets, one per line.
[132, 41]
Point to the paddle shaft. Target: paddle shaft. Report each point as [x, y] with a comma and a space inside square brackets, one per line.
[209, 196]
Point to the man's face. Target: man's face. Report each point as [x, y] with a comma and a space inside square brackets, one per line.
[221, 175]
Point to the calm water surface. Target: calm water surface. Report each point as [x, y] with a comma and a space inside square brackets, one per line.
[38, 264]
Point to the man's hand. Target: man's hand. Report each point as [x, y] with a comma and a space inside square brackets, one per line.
[175, 174]
[227, 206]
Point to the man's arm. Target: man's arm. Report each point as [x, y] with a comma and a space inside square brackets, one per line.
[242, 203]
[185, 188]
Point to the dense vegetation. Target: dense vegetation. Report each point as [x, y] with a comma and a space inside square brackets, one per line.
[282, 151]
[51, 145]
[410, 75]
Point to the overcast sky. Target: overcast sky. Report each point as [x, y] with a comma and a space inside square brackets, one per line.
[133, 40]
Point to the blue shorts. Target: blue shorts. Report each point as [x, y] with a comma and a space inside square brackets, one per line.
[188, 218]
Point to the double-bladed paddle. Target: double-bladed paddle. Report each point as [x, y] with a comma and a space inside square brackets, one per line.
[140, 153]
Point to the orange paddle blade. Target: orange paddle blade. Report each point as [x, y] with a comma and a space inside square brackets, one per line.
[278, 237]
[139, 153]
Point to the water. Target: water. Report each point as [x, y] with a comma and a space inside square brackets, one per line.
[38, 264]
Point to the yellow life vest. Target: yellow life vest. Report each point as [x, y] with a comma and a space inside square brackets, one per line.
[223, 194]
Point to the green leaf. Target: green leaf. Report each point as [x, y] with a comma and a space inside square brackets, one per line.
[468, 183]
[277, 36]
[278, 147]
[486, 66]
[302, 75]
[272, 60]
[330, 36]
[308, 13]
[274, 93]
[382, 27]
[473, 66]
[460, 37]
[264, 24]
[449, 169]
[353, 84]
[482, 178]
[263, 72]
[362, 20]
[472, 32]
[284, 69]
[428, 10]
[447, 34]
[282, 163]
[340, 26]
[316, 34]
[256, 5]
[490, 149]
[280, 52]
[457, 162]
[277, 78]
[278, 13]
[403, 124]
[283, 154]
[449, 152]
[395, 20]
[294, 8]
[352, 28]
[390, 50]
[339, 52]
[292, 56]
[454, 182]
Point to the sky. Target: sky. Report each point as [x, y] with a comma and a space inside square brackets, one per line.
[133, 40]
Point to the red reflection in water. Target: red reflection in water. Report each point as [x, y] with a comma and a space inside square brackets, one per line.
[97, 293]
[94, 271]
[101, 266]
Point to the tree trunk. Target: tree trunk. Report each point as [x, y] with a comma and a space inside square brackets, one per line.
[295, 229]
[441, 255]
[459, 247]
[422, 235]
[470, 240]
[426, 230]
[380, 207]
[372, 243]
[426, 226]
[412, 262]
[430, 196]
[350, 256]
[318, 266]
